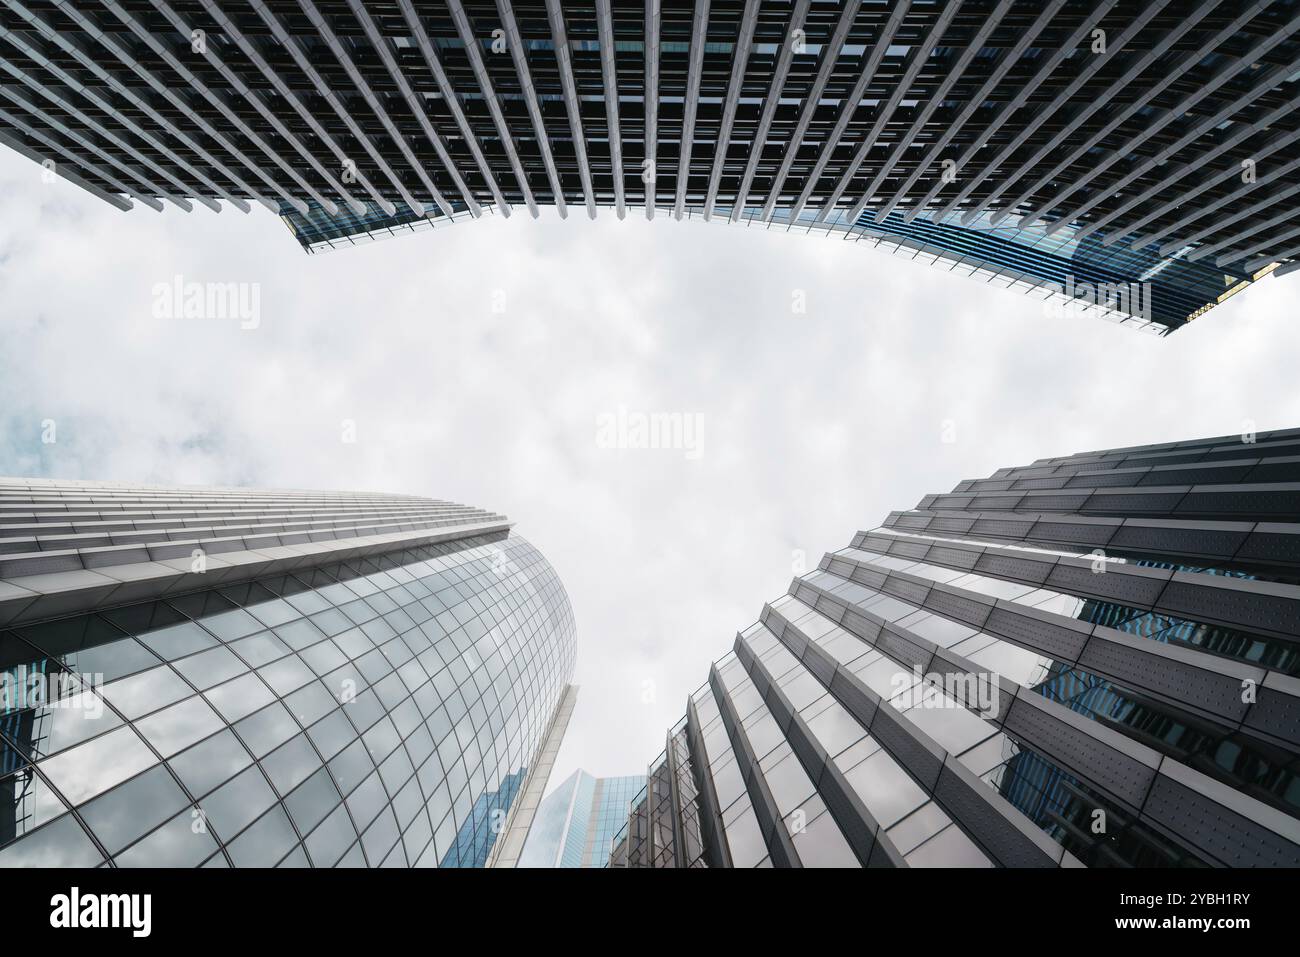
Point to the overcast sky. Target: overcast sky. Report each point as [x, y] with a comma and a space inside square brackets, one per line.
[477, 361]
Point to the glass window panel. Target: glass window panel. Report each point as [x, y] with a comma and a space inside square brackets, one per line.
[836, 729]
[299, 634]
[820, 843]
[988, 754]
[886, 677]
[26, 802]
[210, 667]
[247, 593]
[291, 764]
[890, 608]
[381, 739]
[949, 848]
[335, 835]
[241, 697]
[61, 844]
[1019, 664]
[395, 770]
[232, 624]
[331, 621]
[885, 788]
[297, 858]
[331, 733]
[345, 683]
[367, 800]
[114, 660]
[286, 675]
[728, 783]
[788, 783]
[273, 613]
[142, 617]
[941, 631]
[391, 691]
[745, 841]
[178, 640]
[380, 836]
[417, 836]
[147, 691]
[235, 804]
[178, 843]
[314, 799]
[68, 721]
[364, 710]
[408, 802]
[261, 649]
[206, 765]
[354, 642]
[267, 729]
[310, 703]
[134, 808]
[406, 717]
[952, 726]
[263, 844]
[202, 603]
[89, 769]
[350, 766]
[71, 638]
[921, 825]
[324, 657]
[307, 602]
[374, 665]
[179, 726]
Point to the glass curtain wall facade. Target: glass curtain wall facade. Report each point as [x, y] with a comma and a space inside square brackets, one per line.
[576, 823]
[1051, 144]
[239, 677]
[1090, 660]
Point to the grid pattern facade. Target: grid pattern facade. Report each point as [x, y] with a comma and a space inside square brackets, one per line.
[1161, 132]
[577, 822]
[1090, 660]
[373, 705]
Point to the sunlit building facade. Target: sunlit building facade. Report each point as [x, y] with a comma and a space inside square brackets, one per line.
[1136, 159]
[1089, 660]
[239, 677]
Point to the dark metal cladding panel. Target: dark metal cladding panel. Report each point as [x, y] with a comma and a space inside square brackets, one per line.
[1111, 770]
[1222, 834]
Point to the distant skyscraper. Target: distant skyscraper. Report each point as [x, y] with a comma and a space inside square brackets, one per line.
[243, 677]
[1088, 660]
[576, 823]
[1138, 157]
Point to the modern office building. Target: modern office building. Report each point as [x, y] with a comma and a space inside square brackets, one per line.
[227, 677]
[1137, 158]
[576, 823]
[1090, 660]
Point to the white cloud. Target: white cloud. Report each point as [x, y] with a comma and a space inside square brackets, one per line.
[816, 425]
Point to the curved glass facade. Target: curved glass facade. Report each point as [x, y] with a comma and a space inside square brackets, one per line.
[376, 711]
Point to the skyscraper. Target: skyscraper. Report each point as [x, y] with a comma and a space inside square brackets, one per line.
[1136, 158]
[576, 823]
[242, 677]
[1090, 660]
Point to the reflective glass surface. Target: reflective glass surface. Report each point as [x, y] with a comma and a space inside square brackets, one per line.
[379, 711]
